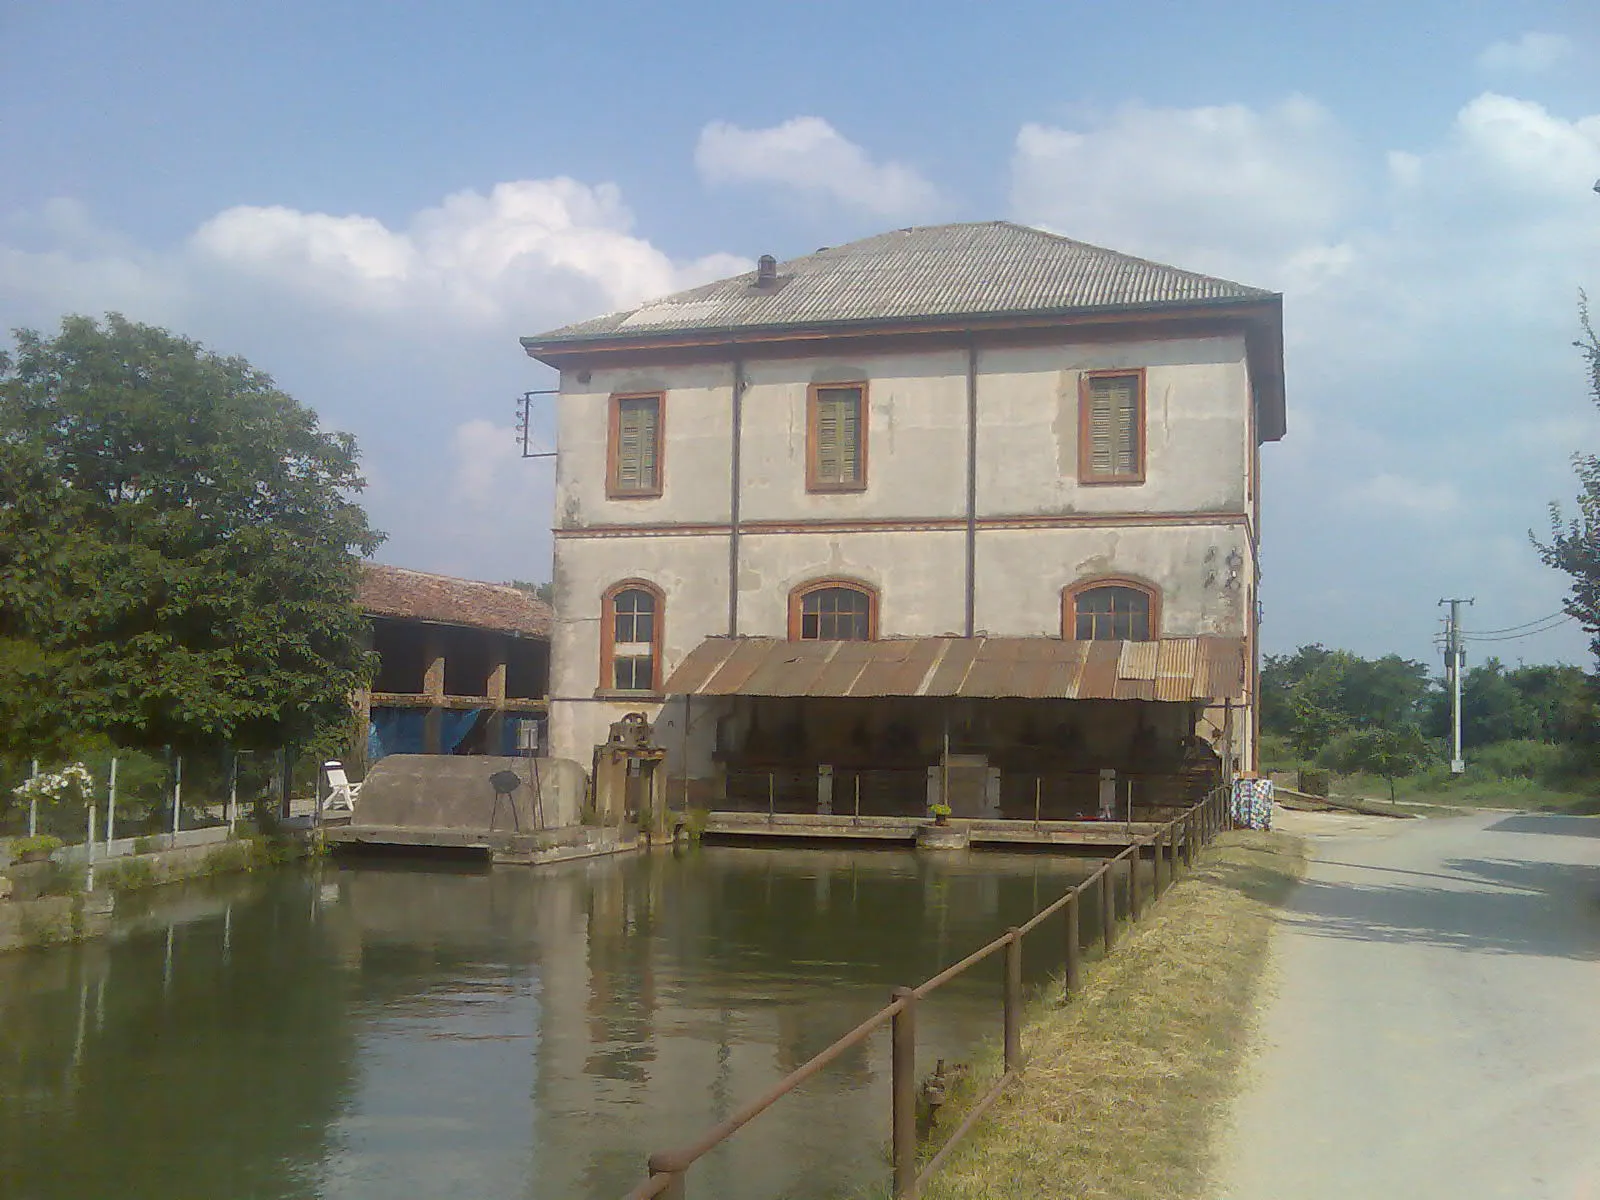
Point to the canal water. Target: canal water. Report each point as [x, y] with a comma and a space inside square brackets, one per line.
[356, 1031]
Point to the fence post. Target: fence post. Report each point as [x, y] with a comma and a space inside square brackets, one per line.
[111, 804]
[1108, 908]
[1191, 830]
[1013, 999]
[1074, 950]
[772, 791]
[33, 801]
[1038, 789]
[858, 798]
[903, 1066]
[1157, 864]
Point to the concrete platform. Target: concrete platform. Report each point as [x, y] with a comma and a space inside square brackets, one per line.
[1114, 835]
[499, 846]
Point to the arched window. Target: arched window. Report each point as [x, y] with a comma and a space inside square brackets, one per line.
[630, 638]
[1116, 610]
[833, 610]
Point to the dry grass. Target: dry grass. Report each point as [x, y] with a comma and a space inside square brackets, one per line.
[1124, 1085]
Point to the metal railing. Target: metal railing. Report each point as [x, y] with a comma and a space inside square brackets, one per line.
[1173, 843]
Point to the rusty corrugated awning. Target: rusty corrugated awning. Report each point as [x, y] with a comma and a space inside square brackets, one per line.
[1172, 670]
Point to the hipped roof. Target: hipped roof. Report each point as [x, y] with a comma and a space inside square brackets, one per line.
[927, 278]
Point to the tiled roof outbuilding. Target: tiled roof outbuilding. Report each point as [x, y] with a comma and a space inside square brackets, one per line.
[445, 600]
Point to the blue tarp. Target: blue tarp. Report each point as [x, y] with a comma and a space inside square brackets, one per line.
[394, 731]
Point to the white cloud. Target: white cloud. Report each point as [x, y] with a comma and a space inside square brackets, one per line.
[810, 155]
[527, 246]
[1227, 189]
[404, 334]
[486, 461]
[1430, 305]
[1531, 54]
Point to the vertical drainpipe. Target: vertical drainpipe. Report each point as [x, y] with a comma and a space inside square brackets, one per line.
[972, 487]
[733, 500]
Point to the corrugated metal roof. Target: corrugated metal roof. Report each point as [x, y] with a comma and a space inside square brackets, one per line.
[981, 269]
[1173, 669]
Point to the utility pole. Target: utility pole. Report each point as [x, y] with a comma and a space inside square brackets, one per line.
[1455, 657]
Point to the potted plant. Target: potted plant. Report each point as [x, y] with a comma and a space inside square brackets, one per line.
[941, 813]
[35, 849]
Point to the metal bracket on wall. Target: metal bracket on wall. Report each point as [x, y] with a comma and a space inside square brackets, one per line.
[524, 422]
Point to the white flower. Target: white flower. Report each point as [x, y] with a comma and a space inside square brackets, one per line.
[53, 787]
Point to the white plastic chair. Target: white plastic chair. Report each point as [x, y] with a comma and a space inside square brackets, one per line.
[341, 792]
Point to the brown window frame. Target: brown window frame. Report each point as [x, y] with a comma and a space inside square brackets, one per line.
[797, 598]
[608, 637]
[1070, 596]
[1086, 471]
[814, 481]
[614, 488]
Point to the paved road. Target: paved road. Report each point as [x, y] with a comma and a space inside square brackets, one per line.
[1433, 1028]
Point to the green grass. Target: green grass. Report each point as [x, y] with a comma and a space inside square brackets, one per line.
[1125, 1084]
[1423, 795]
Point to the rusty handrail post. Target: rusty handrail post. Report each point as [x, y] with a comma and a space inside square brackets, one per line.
[1074, 950]
[1108, 908]
[1013, 999]
[1191, 830]
[674, 1190]
[1158, 864]
[903, 1068]
[1135, 869]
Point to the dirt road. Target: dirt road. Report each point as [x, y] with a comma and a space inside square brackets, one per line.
[1433, 1020]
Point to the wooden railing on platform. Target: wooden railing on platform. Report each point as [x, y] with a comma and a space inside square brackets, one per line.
[1174, 843]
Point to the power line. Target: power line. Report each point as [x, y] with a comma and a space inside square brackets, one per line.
[1513, 628]
[1512, 637]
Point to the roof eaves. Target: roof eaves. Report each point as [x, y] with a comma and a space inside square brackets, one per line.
[537, 347]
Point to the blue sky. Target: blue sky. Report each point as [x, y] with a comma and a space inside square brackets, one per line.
[372, 201]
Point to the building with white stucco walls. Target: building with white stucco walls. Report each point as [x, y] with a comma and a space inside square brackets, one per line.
[969, 510]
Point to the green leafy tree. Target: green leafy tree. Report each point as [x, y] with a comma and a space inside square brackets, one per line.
[1574, 545]
[1315, 694]
[179, 538]
[1391, 753]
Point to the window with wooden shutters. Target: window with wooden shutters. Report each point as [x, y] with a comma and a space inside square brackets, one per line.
[1111, 610]
[630, 638]
[635, 445]
[1111, 427]
[838, 438]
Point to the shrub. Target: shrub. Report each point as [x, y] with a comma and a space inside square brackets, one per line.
[1522, 758]
[1278, 753]
[42, 843]
[1315, 781]
[130, 874]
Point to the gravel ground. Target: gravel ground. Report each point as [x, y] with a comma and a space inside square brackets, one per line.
[1432, 1020]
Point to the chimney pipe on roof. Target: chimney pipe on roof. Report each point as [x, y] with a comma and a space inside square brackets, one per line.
[766, 270]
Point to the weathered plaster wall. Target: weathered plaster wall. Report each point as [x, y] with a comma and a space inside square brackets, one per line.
[697, 471]
[916, 437]
[1199, 455]
[1197, 396]
[1203, 573]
